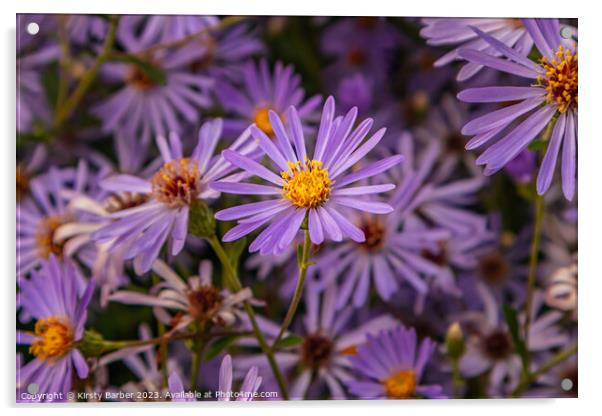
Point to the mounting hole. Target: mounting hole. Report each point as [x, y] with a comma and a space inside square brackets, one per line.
[566, 384]
[566, 32]
[33, 28]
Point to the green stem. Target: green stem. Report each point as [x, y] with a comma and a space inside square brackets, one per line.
[234, 283]
[551, 363]
[163, 344]
[539, 213]
[457, 380]
[303, 261]
[70, 104]
[197, 358]
[108, 345]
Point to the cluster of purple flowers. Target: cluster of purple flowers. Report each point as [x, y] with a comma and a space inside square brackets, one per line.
[186, 182]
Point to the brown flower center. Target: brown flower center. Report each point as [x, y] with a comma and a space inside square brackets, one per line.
[45, 236]
[204, 303]
[22, 182]
[493, 268]
[177, 183]
[316, 350]
[497, 345]
[374, 232]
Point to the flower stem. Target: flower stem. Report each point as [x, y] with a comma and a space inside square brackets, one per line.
[69, 104]
[457, 380]
[303, 260]
[234, 283]
[558, 358]
[536, 238]
[197, 357]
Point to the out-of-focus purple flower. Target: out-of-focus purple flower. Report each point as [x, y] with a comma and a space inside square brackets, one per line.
[459, 32]
[194, 299]
[39, 217]
[433, 190]
[170, 191]
[391, 365]
[32, 104]
[50, 296]
[312, 190]
[329, 340]
[521, 168]
[84, 28]
[262, 91]
[160, 29]
[355, 91]
[247, 391]
[444, 124]
[549, 101]
[489, 343]
[145, 107]
[559, 381]
[360, 44]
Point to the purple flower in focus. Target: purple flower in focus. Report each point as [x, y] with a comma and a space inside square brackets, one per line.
[551, 97]
[50, 296]
[458, 31]
[247, 391]
[170, 192]
[312, 190]
[391, 365]
[262, 91]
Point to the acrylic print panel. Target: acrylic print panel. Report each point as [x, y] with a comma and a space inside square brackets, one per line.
[303, 208]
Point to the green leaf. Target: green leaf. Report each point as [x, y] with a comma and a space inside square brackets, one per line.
[218, 346]
[289, 341]
[154, 73]
[511, 317]
[235, 250]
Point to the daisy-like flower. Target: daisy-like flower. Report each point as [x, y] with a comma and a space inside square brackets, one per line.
[39, 217]
[263, 91]
[330, 338]
[391, 365]
[170, 192]
[149, 30]
[194, 299]
[458, 32]
[489, 344]
[247, 391]
[50, 296]
[143, 106]
[549, 101]
[312, 189]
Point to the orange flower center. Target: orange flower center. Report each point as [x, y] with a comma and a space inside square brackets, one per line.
[561, 80]
[177, 183]
[401, 384]
[55, 338]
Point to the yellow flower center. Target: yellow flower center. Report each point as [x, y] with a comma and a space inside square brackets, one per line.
[177, 183]
[262, 120]
[45, 236]
[306, 185]
[561, 79]
[55, 338]
[401, 384]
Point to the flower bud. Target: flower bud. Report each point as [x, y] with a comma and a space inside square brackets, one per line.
[92, 344]
[454, 341]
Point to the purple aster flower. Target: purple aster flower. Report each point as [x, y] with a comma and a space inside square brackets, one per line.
[489, 344]
[262, 91]
[553, 382]
[458, 31]
[170, 191]
[431, 189]
[194, 299]
[143, 107]
[390, 254]
[550, 101]
[330, 338]
[149, 30]
[391, 365]
[247, 392]
[309, 189]
[220, 53]
[355, 91]
[521, 168]
[39, 217]
[50, 296]
[360, 44]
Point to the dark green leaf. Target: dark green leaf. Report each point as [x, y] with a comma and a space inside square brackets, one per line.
[536, 145]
